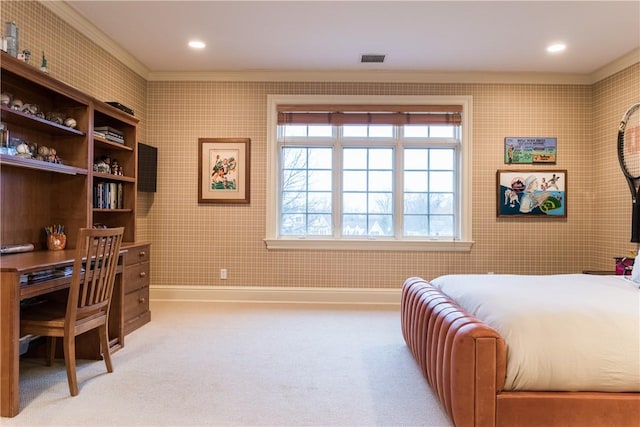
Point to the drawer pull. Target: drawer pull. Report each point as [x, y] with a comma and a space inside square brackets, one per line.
[141, 253]
[143, 273]
[141, 300]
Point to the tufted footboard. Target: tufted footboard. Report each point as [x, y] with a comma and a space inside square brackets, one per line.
[464, 361]
[462, 358]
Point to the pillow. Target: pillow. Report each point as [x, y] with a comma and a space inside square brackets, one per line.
[635, 272]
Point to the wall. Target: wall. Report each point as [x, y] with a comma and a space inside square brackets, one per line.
[231, 236]
[611, 202]
[192, 242]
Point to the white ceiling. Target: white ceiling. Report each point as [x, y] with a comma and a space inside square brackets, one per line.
[415, 36]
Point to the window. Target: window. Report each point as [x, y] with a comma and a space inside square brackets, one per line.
[386, 173]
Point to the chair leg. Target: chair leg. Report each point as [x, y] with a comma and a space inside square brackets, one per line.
[70, 363]
[106, 350]
[52, 350]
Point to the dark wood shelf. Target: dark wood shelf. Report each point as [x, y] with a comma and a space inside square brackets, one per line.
[96, 210]
[23, 119]
[112, 177]
[7, 160]
[106, 143]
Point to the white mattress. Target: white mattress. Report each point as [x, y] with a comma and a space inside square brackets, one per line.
[571, 332]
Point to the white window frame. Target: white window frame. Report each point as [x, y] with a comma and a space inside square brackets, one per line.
[464, 212]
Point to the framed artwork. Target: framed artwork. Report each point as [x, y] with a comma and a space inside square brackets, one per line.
[532, 192]
[519, 150]
[224, 165]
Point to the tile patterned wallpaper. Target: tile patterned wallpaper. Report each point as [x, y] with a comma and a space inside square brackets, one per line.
[609, 198]
[191, 242]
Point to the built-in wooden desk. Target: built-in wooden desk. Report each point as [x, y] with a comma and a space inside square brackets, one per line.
[12, 292]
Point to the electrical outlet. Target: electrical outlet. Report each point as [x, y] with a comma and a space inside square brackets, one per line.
[223, 273]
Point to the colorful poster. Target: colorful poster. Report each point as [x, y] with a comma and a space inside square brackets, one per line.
[518, 150]
[532, 193]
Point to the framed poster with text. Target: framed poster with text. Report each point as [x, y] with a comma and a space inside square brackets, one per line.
[521, 150]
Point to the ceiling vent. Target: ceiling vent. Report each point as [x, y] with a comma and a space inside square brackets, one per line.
[376, 59]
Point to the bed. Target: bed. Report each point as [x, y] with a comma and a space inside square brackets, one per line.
[492, 361]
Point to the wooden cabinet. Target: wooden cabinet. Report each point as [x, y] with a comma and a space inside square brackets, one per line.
[37, 193]
[136, 286]
[114, 193]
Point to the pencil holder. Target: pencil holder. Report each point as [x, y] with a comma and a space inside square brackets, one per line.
[56, 241]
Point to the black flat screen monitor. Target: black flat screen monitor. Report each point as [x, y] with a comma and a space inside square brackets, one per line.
[147, 168]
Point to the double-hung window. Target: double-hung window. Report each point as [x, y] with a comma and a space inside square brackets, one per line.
[388, 173]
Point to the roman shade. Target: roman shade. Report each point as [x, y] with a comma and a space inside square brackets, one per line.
[369, 115]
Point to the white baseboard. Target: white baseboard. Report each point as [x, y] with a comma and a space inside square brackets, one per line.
[386, 296]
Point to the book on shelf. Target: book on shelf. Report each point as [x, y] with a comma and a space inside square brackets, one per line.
[108, 129]
[113, 196]
[98, 193]
[108, 195]
[114, 139]
[109, 133]
[120, 203]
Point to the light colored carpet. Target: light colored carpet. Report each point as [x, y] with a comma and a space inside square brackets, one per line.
[229, 364]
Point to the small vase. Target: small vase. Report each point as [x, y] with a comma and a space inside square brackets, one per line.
[56, 241]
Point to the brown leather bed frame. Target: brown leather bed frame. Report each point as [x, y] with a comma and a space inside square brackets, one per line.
[464, 361]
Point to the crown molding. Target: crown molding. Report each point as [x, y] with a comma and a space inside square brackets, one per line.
[80, 23]
[73, 18]
[373, 77]
[619, 64]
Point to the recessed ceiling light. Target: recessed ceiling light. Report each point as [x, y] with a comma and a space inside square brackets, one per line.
[196, 44]
[556, 47]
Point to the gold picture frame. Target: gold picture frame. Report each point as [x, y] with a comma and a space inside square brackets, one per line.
[224, 170]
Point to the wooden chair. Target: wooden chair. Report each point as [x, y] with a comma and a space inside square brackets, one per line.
[87, 306]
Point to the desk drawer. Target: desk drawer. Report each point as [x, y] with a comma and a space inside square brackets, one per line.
[136, 303]
[136, 254]
[136, 286]
[136, 276]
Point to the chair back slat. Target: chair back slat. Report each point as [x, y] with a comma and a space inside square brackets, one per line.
[98, 252]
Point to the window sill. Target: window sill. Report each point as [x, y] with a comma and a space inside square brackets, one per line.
[370, 245]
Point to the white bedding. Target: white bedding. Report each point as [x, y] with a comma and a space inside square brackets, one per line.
[570, 332]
